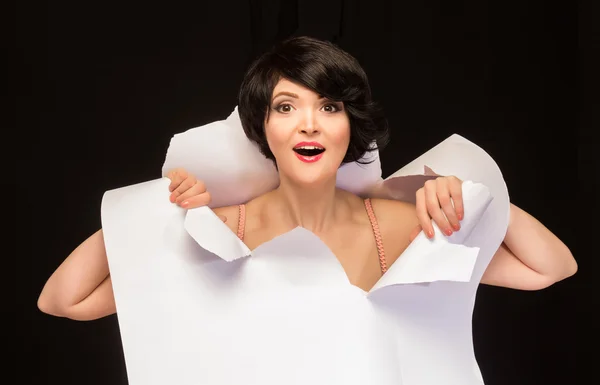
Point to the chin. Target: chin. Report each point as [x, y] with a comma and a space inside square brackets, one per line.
[310, 171]
[315, 175]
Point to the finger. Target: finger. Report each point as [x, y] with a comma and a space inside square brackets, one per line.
[197, 189]
[185, 185]
[422, 215]
[415, 232]
[176, 176]
[443, 195]
[198, 200]
[434, 210]
[455, 187]
[179, 184]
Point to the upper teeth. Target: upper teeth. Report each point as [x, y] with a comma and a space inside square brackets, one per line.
[310, 148]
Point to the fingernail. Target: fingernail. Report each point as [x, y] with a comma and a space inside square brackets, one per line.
[430, 233]
[460, 216]
[456, 227]
[184, 203]
[448, 232]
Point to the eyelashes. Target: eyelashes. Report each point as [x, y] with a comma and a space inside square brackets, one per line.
[335, 107]
[283, 108]
[329, 107]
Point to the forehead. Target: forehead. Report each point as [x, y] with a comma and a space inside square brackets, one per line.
[285, 85]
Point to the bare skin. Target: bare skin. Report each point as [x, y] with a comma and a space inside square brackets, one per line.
[358, 258]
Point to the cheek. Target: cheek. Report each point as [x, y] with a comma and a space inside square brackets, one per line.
[275, 139]
[341, 134]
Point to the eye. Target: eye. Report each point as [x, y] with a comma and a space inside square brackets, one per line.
[331, 107]
[284, 108]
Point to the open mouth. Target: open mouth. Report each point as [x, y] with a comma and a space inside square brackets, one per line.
[309, 151]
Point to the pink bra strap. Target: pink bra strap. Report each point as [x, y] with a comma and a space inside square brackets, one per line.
[378, 241]
[241, 222]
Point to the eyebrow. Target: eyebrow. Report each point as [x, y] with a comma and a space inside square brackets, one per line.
[291, 95]
[285, 93]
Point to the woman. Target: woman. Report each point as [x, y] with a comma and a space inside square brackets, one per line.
[307, 105]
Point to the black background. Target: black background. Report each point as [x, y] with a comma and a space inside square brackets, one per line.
[106, 86]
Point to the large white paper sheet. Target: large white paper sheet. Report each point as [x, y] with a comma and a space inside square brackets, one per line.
[195, 306]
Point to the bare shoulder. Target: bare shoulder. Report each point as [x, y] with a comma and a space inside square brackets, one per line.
[253, 208]
[393, 211]
[231, 215]
[396, 220]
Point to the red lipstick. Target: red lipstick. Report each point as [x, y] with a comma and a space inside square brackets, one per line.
[309, 152]
[309, 159]
[311, 144]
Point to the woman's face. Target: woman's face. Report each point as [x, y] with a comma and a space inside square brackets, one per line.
[307, 134]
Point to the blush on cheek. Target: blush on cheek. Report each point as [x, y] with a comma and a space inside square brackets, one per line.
[273, 146]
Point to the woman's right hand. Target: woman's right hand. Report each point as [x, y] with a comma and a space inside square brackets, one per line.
[187, 191]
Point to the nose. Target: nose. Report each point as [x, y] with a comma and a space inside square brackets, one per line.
[308, 125]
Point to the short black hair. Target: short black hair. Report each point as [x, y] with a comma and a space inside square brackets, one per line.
[325, 69]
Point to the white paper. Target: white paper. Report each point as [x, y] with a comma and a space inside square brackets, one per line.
[196, 307]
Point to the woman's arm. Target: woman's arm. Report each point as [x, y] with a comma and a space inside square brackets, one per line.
[80, 288]
[531, 256]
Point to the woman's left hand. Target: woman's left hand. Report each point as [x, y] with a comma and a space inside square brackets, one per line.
[439, 200]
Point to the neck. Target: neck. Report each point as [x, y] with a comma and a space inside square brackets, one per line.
[312, 207]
